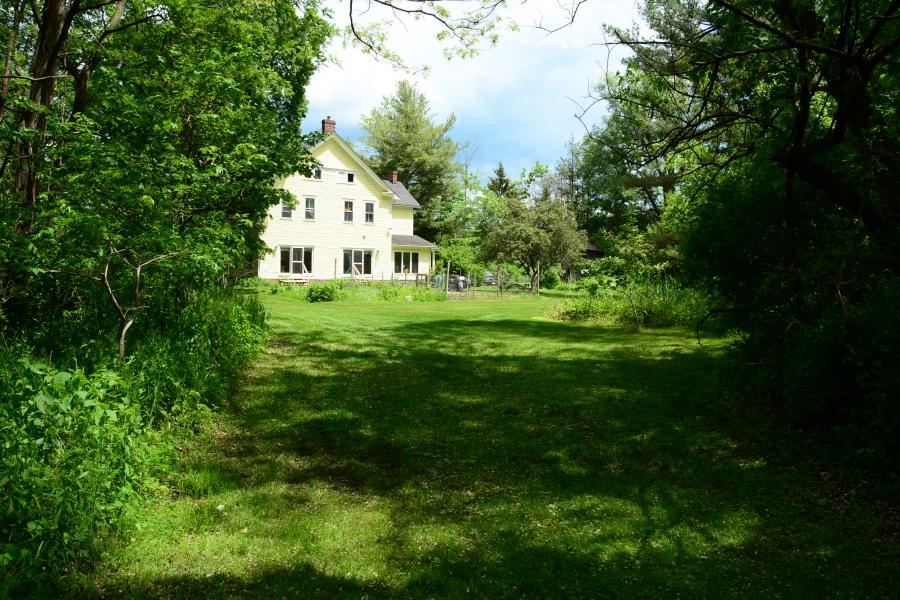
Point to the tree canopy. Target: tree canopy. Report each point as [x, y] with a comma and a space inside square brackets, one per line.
[535, 236]
[401, 135]
[141, 134]
[770, 131]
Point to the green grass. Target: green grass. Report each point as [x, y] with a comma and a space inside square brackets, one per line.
[479, 449]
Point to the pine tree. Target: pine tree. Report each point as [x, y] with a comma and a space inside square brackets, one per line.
[402, 136]
[499, 183]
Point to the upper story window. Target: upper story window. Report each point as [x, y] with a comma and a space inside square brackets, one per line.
[317, 174]
[286, 211]
[348, 211]
[310, 208]
[346, 177]
[370, 212]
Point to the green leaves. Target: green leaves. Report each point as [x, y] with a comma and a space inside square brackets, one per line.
[402, 136]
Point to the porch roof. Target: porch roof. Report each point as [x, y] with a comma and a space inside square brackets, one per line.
[411, 241]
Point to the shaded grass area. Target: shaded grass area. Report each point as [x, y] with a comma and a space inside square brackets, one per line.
[477, 449]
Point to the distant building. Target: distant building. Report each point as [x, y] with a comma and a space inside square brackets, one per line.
[347, 223]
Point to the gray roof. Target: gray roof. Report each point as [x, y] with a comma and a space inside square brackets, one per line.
[404, 198]
[411, 240]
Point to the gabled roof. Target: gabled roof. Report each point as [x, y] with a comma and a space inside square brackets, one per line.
[404, 198]
[411, 240]
[359, 160]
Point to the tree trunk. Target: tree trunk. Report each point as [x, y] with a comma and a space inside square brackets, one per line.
[53, 30]
[10, 55]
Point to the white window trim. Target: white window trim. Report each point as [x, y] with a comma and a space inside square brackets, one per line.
[353, 263]
[281, 209]
[366, 213]
[306, 208]
[410, 253]
[352, 211]
[342, 177]
[304, 272]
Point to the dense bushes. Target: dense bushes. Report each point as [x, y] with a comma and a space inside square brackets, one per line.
[78, 444]
[551, 278]
[197, 358]
[74, 453]
[647, 302]
[349, 291]
[324, 292]
[638, 283]
[132, 204]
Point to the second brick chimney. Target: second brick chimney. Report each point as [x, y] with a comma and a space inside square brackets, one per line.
[392, 176]
[329, 125]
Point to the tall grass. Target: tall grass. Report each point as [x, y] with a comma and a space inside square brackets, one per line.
[649, 301]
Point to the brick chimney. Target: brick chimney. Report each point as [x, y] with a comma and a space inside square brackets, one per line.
[329, 125]
[392, 176]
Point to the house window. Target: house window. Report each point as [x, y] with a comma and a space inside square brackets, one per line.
[346, 177]
[406, 262]
[348, 211]
[310, 208]
[370, 212]
[357, 262]
[317, 174]
[296, 260]
[286, 211]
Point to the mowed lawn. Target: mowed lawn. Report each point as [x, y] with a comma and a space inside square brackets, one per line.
[480, 449]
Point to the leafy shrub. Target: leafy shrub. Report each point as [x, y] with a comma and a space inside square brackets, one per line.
[74, 453]
[328, 291]
[77, 446]
[551, 278]
[424, 294]
[654, 303]
[197, 359]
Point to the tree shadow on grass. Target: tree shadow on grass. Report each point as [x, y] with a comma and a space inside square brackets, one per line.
[534, 459]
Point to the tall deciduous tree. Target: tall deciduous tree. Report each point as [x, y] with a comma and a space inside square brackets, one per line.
[535, 236]
[787, 111]
[140, 144]
[402, 136]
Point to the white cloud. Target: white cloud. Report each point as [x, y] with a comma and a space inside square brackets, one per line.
[512, 99]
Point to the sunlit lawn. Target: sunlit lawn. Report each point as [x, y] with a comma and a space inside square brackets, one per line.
[478, 449]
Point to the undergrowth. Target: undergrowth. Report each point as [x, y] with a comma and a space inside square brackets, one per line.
[80, 444]
[646, 302]
[340, 290]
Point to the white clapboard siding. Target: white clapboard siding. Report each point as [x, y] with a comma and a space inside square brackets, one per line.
[328, 234]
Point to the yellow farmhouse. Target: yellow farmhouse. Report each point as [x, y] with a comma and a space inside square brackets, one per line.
[347, 223]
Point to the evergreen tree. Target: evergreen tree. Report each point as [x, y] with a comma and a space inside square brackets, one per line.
[499, 183]
[402, 136]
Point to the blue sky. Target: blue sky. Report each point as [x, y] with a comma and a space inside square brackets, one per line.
[515, 102]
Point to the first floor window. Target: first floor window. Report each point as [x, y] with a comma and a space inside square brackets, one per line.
[348, 211]
[310, 208]
[296, 260]
[357, 262]
[406, 262]
[370, 212]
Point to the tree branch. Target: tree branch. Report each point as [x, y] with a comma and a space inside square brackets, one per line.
[791, 40]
